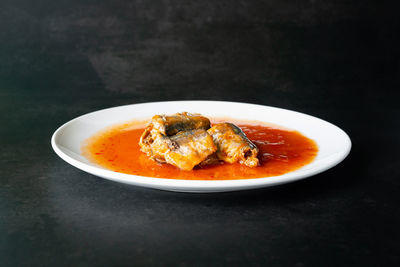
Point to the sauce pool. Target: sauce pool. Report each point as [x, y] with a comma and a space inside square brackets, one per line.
[280, 151]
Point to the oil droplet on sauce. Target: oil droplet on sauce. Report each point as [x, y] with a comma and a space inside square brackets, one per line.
[280, 151]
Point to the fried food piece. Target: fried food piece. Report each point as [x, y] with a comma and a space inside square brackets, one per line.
[189, 148]
[154, 144]
[233, 145]
[170, 125]
[165, 133]
[183, 141]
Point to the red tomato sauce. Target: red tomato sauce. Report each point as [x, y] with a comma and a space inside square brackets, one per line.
[280, 151]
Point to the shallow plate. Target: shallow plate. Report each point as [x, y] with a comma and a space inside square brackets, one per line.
[333, 143]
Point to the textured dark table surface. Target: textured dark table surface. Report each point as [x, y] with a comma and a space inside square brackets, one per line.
[337, 60]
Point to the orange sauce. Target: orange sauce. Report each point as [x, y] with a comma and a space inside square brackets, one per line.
[280, 151]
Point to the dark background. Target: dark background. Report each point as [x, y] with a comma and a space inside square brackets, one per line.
[337, 60]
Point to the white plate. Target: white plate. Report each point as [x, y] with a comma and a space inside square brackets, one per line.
[333, 143]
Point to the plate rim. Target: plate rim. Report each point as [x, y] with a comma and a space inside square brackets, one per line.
[182, 184]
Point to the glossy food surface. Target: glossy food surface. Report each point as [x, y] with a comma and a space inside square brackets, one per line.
[281, 151]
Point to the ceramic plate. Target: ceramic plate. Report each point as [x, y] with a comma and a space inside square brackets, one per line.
[333, 143]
